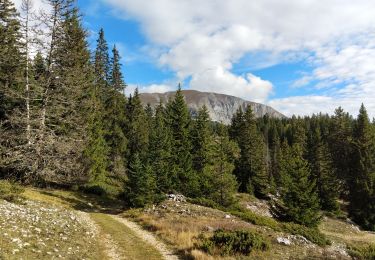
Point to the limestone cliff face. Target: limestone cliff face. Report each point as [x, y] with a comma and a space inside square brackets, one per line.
[221, 107]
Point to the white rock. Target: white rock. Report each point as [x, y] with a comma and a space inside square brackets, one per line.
[284, 241]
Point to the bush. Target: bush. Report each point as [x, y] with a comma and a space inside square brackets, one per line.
[10, 191]
[311, 234]
[234, 242]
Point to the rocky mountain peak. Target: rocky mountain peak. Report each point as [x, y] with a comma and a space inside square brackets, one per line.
[221, 107]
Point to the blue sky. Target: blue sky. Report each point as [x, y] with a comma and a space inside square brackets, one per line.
[299, 56]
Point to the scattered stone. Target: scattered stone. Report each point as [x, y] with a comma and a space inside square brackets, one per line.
[227, 216]
[176, 197]
[284, 241]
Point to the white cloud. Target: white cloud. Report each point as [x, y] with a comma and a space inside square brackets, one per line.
[219, 80]
[152, 88]
[203, 39]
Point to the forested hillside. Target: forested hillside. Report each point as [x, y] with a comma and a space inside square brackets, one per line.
[66, 123]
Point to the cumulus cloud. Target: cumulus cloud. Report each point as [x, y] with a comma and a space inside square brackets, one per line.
[220, 80]
[203, 39]
[153, 88]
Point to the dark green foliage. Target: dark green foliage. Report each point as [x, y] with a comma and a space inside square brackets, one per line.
[251, 169]
[136, 128]
[179, 121]
[96, 155]
[101, 61]
[218, 182]
[117, 81]
[115, 118]
[237, 242]
[299, 201]
[160, 155]
[140, 187]
[11, 64]
[200, 139]
[340, 146]
[362, 181]
[322, 171]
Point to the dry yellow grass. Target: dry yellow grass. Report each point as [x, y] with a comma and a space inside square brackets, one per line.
[345, 232]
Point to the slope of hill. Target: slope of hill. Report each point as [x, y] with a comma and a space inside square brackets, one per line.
[221, 107]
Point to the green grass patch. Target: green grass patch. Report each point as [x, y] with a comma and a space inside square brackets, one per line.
[11, 192]
[363, 252]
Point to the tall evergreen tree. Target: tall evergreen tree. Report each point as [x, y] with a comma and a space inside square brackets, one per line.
[251, 168]
[136, 128]
[322, 171]
[362, 181]
[102, 61]
[115, 117]
[218, 182]
[179, 121]
[340, 146]
[299, 201]
[160, 155]
[200, 139]
[140, 189]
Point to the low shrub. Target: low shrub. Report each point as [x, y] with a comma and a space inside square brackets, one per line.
[11, 192]
[234, 243]
[311, 234]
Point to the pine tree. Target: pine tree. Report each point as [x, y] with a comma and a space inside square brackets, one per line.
[299, 201]
[117, 81]
[322, 171]
[340, 146]
[362, 181]
[160, 155]
[140, 189]
[115, 117]
[102, 61]
[251, 168]
[179, 121]
[218, 182]
[136, 128]
[200, 139]
[96, 154]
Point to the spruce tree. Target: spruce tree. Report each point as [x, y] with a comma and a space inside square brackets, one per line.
[340, 147]
[136, 128]
[322, 171]
[115, 117]
[299, 201]
[102, 61]
[140, 189]
[160, 155]
[362, 181]
[200, 139]
[179, 122]
[251, 167]
[217, 180]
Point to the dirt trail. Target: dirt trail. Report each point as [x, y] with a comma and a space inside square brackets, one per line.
[148, 238]
[110, 246]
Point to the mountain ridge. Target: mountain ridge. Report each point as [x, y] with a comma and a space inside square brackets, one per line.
[221, 107]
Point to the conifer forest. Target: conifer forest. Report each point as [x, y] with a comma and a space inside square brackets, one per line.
[68, 122]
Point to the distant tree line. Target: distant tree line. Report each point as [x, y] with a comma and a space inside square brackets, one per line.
[64, 120]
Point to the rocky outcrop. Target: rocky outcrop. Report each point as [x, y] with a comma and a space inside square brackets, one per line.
[221, 107]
